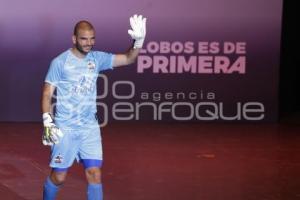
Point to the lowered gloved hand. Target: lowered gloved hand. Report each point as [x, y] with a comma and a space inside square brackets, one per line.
[138, 30]
[52, 133]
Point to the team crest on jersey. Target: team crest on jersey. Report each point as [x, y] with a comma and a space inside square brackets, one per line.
[91, 65]
[58, 159]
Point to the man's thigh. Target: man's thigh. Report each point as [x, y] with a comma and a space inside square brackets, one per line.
[64, 153]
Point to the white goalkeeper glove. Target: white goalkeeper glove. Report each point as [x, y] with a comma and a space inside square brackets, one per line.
[138, 30]
[52, 133]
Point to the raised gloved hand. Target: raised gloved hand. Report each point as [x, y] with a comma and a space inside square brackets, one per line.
[138, 30]
[52, 133]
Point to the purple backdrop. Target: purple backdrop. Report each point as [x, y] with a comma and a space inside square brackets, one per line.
[178, 77]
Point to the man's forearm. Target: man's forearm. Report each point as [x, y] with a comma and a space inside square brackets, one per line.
[132, 55]
[126, 58]
[46, 104]
[47, 98]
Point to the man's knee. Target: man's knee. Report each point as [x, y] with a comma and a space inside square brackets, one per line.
[58, 178]
[93, 175]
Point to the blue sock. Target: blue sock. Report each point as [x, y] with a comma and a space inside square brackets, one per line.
[94, 192]
[50, 190]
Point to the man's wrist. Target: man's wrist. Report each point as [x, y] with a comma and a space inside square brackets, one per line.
[138, 43]
[47, 118]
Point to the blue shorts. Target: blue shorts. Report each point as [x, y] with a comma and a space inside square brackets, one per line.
[80, 144]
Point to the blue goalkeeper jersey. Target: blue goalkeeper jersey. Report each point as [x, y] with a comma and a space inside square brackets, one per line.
[75, 80]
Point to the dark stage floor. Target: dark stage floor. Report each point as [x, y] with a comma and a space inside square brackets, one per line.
[148, 161]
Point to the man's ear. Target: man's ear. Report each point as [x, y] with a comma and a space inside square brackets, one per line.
[74, 39]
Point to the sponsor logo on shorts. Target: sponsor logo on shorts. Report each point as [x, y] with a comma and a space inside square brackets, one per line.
[58, 159]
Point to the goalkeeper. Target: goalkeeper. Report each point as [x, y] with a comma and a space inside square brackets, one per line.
[73, 132]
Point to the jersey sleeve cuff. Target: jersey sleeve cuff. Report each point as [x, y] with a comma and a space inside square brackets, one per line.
[51, 83]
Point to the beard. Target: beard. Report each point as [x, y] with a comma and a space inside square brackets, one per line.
[81, 48]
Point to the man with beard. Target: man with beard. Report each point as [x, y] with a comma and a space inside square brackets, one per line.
[74, 132]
